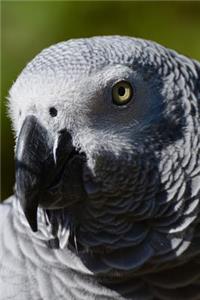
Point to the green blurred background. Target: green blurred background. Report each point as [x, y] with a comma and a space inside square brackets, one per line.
[28, 27]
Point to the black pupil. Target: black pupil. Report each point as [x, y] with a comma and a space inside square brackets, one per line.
[121, 91]
[53, 111]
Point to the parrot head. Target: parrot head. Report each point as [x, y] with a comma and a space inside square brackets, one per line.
[106, 138]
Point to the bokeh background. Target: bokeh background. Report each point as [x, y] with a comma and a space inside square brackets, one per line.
[28, 27]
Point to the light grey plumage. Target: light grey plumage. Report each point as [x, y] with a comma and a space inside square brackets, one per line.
[127, 225]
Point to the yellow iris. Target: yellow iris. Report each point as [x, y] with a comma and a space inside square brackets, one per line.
[122, 92]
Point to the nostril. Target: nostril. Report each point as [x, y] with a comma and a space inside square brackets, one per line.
[53, 111]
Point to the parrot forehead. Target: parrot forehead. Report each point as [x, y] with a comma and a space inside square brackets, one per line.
[85, 56]
[67, 63]
[62, 70]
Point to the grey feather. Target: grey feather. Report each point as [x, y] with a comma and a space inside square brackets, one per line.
[111, 192]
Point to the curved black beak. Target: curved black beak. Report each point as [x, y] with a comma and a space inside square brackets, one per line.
[48, 173]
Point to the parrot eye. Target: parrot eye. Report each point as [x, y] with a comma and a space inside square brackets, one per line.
[122, 92]
[53, 111]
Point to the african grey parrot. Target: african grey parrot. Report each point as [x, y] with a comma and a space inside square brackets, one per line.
[106, 202]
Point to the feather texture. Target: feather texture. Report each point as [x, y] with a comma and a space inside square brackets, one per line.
[118, 199]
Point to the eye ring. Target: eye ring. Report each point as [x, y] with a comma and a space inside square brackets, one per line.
[53, 111]
[122, 92]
